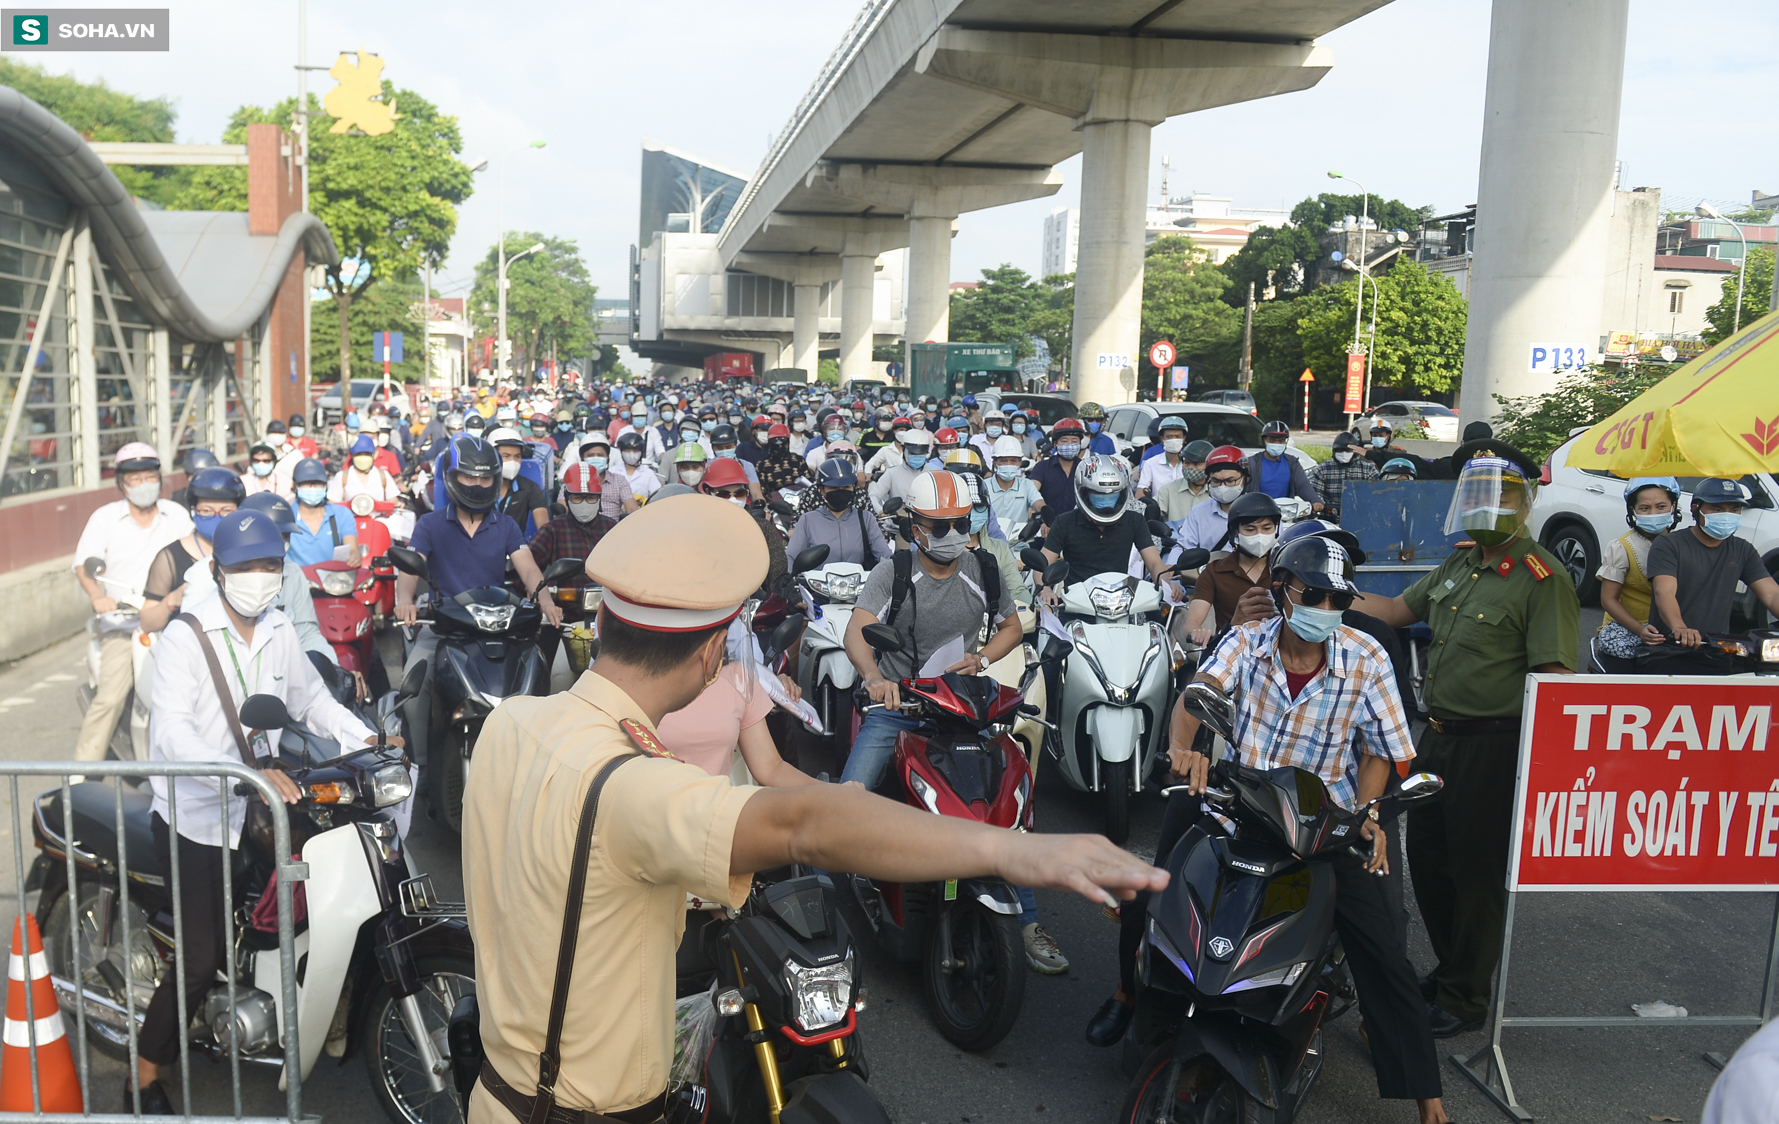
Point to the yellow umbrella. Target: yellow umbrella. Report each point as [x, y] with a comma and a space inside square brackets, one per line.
[1716, 416]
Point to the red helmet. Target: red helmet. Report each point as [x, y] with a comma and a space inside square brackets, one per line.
[779, 429]
[1226, 455]
[1067, 425]
[760, 422]
[724, 472]
[580, 479]
[946, 436]
[900, 421]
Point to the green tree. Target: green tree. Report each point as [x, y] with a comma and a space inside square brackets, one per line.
[1538, 423]
[1420, 330]
[549, 297]
[1277, 257]
[828, 371]
[1278, 356]
[391, 306]
[1182, 303]
[390, 201]
[999, 310]
[1757, 294]
[1053, 320]
[1318, 214]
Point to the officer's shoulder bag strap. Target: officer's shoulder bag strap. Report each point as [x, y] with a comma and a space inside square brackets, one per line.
[549, 1062]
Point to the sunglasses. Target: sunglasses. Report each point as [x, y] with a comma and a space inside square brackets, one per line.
[940, 526]
[1313, 598]
[730, 493]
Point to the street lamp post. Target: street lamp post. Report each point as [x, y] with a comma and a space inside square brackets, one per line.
[1371, 336]
[1358, 305]
[1707, 211]
[500, 359]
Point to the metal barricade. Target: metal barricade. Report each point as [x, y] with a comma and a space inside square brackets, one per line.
[225, 776]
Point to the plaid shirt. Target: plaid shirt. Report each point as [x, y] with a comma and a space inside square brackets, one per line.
[564, 536]
[1330, 477]
[1355, 693]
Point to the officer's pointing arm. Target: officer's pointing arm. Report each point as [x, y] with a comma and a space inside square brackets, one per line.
[1393, 611]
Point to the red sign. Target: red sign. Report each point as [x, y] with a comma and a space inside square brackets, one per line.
[1647, 783]
[1355, 383]
[1161, 355]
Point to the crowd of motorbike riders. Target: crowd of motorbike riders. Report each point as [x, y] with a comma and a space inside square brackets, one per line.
[955, 516]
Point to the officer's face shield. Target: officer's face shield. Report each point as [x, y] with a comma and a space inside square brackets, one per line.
[1492, 502]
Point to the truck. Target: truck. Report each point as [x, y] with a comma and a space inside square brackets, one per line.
[729, 365]
[949, 370]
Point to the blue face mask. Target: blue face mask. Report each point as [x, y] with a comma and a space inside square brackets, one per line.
[978, 520]
[1654, 524]
[708, 424]
[314, 495]
[1275, 451]
[205, 525]
[1093, 427]
[1721, 524]
[1379, 442]
[993, 430]
[1007, 471]
[726, 453]
[1018, 427]
[916, 460]
[1313, 625]
[1104, 501]
[598, 463]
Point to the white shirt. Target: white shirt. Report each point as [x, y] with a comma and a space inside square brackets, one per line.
[654, 447]
[1156, 472]
[1747, 1092]
[126, 547]
[188, 723]
[349, 482]
[644, 480]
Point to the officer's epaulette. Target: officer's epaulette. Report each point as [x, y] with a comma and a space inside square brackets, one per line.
[644, 739]
[1536, 565]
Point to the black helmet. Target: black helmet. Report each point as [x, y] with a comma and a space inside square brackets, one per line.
[474, 422]
[1196, 451]
[216, 483]
[196, 460]
[274, 505]
[1317, 562]
[1250, 506]
[723, 434]
[475, 457]
[631, 441]
[1275, 429]
[297, 419]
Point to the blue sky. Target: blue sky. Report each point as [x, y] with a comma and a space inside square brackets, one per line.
[1402, 109]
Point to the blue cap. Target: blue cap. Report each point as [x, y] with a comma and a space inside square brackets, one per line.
[247, 536]
[1716, 490]
[836, 473]
[969, 399]
[363, 445]
[309, 471]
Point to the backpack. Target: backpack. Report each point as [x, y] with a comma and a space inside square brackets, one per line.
[903, 560]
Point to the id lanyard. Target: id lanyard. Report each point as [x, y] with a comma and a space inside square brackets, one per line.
[259, 743]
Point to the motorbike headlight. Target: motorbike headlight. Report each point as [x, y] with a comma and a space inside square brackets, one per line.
[491, 618]
[389, 785]
[590, 596]
[1111, 602]
[1287, 975]
[918, 785]
[821, 996]
[337, 583]
[844, 587]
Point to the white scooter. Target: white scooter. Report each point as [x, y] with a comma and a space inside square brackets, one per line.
[1116, 686]
[824, 673]
[129, 740]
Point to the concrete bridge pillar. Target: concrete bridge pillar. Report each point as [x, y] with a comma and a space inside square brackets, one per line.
[807, 273]
[806, 329]
[858, 290]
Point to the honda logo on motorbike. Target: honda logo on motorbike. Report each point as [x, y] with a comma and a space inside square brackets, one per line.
[1222, 948]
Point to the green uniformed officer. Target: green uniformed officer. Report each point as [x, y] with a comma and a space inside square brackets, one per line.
[1499, 608]
[666, 828]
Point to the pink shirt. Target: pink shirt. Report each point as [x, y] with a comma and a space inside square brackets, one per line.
[707, 732]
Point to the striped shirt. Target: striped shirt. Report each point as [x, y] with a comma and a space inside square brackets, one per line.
[1354, 693]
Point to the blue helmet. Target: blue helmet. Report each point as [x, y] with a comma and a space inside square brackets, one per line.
[363, 445]
[836, 472]
[352, 420]
[274, 505]
[247, 536]
[196, 460]
[216, 484]
[1717, 490]
[1400, 464]
[309, 471]
[969, 400]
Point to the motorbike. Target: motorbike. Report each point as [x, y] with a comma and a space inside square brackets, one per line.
[1748, 653]
[345, 620]
[1240, 966]
[825, 674]
[381, 965]
[377, 588]
[962, 762]
[129, 739]
[487, 653]
[1111, 720]
[580, 612]
[781, 973]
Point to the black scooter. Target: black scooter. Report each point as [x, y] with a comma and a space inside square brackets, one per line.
[487, 653]
[1240, 964]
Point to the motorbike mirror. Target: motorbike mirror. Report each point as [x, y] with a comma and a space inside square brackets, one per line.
[1030, 530]
[1419, 786]
[1193, 559]
[93, 567]
[563, 568]
[1207, 703]
[779, 507]
[1033, 559]
[882, 637]
[1057, 573]
[412, 681]
[409, 562]
[786, 635]
[1159, 530]
[392, 724]
[1046, 516]
[264, 712]
[892, 505]
[810, 559]
[1030, 710]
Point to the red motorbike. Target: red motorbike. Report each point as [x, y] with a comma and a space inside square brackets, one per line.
[377, 591]
[346, 620]
[962, 761]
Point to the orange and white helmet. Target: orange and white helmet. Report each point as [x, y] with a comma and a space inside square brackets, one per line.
[580, 479]
[940, 495]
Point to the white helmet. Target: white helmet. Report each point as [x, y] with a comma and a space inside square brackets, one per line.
[940, 495]
[1009, 447]
[1102, 488]
[914, 435]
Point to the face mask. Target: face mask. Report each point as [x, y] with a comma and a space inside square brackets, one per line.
[1018, 427]
[476, 497]
[667, 417]
[1654, 524]
[1225, 493]
[1490, 526]
[1093, 427]
[632, 457]
[689, 435]
[1007, 471]
[946, 547]
[205, 525]
[1173, 444]
[598, 463]
[1275, 450]
[1344, 456]
[564, 427]
[798, 427]
[509, 470]
[708, 424]
[1722, 524]
[915, 460]
[313, 495]
[1103, 501]
[1378, 442]
[262, 468]
[1313, 625]
[759, 436]
[1256, 545]
[735, 420]
[1193, 476]
[840, 498]
[362, 461]
[738, 501]
[1069, 451]
[296, 431]
[978, 520]
[251, 594]
[993, 430]
[639, 420]
[726, 453]
[836, 435]
[584, 511]
[691, 477]
[276, 440]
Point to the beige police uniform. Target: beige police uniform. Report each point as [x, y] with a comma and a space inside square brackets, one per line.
[664, 829]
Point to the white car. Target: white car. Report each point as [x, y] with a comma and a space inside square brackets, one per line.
[1440, 421]
[1128, 423]
[1579, 509]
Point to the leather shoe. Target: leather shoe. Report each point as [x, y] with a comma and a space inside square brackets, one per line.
[155, 1101]
[1447, 1025]
[1429, 988]
[1109, 1024]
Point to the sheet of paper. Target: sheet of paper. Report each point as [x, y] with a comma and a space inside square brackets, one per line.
[1053, 625]
[948, 654]
[803, 712]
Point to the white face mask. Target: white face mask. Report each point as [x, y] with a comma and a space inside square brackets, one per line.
[1173, 444]
[691, 477]
[1256, 545]
[143, 495]
[632, 458]
[799, 427]
[509, 470]
[1225, 493]
[584, 511]
[251, 594]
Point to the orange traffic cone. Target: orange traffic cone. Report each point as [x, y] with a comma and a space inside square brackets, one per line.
[58, 1084]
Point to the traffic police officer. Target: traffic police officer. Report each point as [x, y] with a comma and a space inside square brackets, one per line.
[1501, 606]
[665, 828]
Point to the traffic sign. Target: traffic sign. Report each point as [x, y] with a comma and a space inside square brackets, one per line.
[1182, 378]
[1306, 376]
[1161, 355]
[386, 347]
